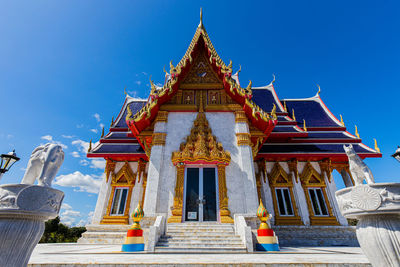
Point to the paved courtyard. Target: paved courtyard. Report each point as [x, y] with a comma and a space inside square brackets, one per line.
[108, 255]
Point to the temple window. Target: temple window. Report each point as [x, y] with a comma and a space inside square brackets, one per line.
[282, 196]
[318, 202]
[119, 201]
[314, 187]
[284, 203]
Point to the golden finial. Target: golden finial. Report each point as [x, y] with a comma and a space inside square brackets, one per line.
[90, 146]
[230, 64]
[293, 117]
[125, 93]
[341, 120]
[248, 88]
[304, 125]
[112, 121]
[319, 89]
[240, 69]
[263, 215]
[201, 17]
[153, 87]
[164, 69]
[128, 113]
[284, 106]
[137, 216]
[171, 66]
[102, 132]
[376, 146]
[273, 112]
[356, 133]
[273, 75]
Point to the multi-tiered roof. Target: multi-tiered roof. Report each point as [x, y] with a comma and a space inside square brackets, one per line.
[302, 129]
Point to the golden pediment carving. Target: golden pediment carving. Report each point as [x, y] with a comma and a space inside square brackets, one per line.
[201, 73]
[201, 145]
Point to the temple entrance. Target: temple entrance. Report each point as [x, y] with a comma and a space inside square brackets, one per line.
[200, 194]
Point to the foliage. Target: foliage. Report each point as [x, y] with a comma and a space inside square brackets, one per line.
[56, 232]
[352, 222]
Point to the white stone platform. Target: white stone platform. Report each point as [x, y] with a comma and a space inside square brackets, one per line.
[67, 255]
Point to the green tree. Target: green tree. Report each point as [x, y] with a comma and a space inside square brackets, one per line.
[56, 232]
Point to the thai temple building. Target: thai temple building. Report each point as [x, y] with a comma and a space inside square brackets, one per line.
[202, 151]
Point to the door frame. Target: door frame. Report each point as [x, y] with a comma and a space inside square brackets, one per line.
[200, 167]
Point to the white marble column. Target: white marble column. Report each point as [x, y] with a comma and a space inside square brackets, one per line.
[301, 201]
[102, 200]
[154, 171]
[247, 170]
[330, 192]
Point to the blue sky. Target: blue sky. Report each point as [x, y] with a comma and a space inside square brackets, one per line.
[64, 66]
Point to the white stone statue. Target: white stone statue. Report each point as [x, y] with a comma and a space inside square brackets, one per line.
[359, 170]
[44, 164]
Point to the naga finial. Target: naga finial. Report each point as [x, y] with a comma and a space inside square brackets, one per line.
[248, 88]
[356, 133]
[125, 93]
[293, 117]
[128, 113]
[376, 146]
[102, 132]
[171, 66]
[284, 106]
[112, 121]
[240, 69]
[319, 89]
[230, 64]
[153, 87]
[273, 75]
[273, 112]
[90, 146]
[304, 125]
[341, 120]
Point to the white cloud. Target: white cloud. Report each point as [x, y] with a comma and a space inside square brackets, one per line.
[67, 136]
[101, 125]
[84, 162]
[66, 206]
[138, 82]
[47, 137]
[144, 73]
[97, 117]
[79, 126]
[9, 136]
[84, 183]
[75, 154]
[50, 139]
[83, 146]
[69, 216]
[94, 130]
[98, 164]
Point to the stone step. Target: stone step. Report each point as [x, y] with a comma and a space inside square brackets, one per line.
[191, 243]
[184, 226]
[103, 234]
[203, 239]
[177, 230]
[200, 245]
[199, 250]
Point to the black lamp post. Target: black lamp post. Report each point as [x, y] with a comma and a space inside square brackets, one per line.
[7, 160]
[396, 154]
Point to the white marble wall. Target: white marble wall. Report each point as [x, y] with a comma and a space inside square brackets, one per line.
[102, 200]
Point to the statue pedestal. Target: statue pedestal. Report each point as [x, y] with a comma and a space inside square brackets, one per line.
[23, 211]
[377, 207]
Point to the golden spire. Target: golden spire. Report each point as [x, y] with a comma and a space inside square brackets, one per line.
[356, 133]
[284, 106]
[112, 121]
[304, 125]
[263, 215]
[137, 215]
[341, 120]
[293, 117]
[102, 132]
[376, 146]
[201, 17]
[90, 146]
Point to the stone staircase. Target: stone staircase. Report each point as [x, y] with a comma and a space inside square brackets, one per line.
[200, 237]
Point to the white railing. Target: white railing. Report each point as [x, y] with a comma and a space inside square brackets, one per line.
[155, 231]
[244, 231]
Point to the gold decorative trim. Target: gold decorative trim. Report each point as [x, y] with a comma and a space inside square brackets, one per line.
[243, 139]
[159, 139]
[162, 116]
[293, 168]
[199, 86]
[201, 145]
[176, 208]
[110, 167]
[223, 107]
[240, 116]
[279, 178]
[223, 196]
[326, 167]
[311, 178]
